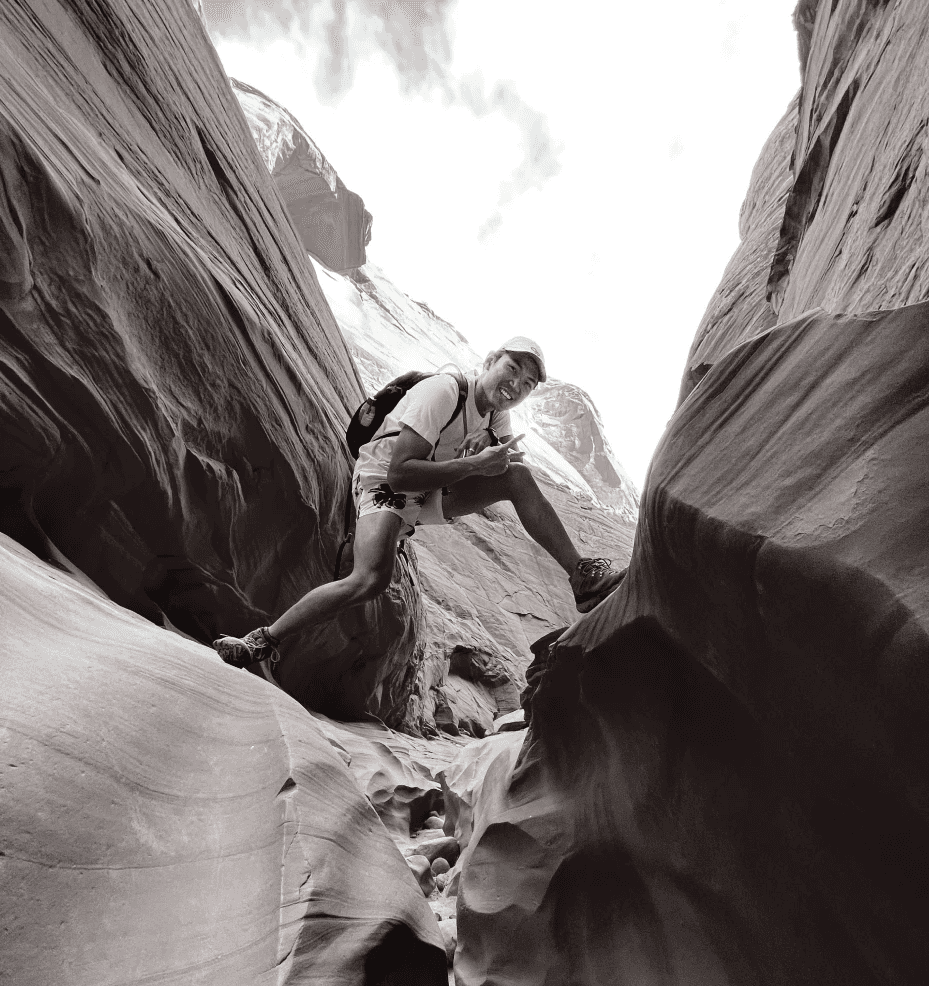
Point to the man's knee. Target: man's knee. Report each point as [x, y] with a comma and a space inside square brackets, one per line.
[370, 583]
[519, 479]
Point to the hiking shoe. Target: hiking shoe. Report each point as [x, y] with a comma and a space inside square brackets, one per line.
[242, 651]
[593, 580]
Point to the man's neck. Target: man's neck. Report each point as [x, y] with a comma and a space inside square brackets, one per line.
[480, 396]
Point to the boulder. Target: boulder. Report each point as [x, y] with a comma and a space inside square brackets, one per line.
[444, 848]
[422, 870]
[331, 221]
[440, 866]
[176, 386]
[168, 818]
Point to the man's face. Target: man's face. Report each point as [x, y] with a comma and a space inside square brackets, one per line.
[510, 380]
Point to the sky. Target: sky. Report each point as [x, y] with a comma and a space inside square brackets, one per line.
[571, 173]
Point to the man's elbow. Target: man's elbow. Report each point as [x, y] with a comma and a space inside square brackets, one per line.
[397, 478]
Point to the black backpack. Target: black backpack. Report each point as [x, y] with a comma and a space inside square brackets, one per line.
[371, 413]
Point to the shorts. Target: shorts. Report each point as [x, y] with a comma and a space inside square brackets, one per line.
[412, 508]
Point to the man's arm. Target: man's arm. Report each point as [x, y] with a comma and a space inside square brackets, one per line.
[410, 468]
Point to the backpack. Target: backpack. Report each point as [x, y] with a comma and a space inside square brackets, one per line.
[370, 416]
[371, 413]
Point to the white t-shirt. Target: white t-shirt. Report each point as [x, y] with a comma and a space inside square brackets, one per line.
[426, 408]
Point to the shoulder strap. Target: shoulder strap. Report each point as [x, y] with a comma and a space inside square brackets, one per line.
[460, 408]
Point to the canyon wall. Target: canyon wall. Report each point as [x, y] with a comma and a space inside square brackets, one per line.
[176, 387]
[724, 779]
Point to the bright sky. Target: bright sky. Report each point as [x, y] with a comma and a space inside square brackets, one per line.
[632, 130]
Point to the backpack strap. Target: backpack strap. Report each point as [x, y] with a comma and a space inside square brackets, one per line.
[460, 408]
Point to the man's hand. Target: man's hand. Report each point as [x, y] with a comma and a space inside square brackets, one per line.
[495, 460]
[475, 442]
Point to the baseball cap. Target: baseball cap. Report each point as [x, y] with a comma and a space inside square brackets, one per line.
[521, 344]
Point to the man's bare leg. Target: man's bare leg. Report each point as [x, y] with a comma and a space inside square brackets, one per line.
[536, 514]
[375, 550]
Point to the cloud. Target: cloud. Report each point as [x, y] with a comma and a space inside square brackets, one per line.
[415, 37]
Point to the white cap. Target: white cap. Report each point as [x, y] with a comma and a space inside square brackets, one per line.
[522, 344]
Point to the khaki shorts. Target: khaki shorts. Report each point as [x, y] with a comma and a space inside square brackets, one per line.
[412, 508]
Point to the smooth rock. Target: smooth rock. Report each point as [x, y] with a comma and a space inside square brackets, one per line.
[449, 931]
[433, 822]
[511, 722]
[440, 865]
[189, 822]
[736, 738]
[422, 870]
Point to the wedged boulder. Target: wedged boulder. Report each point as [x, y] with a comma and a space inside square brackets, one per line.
[332, 222]
[725, 778]
[176, 387]
[167, 818]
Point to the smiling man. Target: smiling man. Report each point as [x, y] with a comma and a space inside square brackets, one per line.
[427, 465]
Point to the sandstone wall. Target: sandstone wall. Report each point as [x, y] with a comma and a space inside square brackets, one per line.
[725, 777]
[833, 214]
[166, 818]
[176, 388]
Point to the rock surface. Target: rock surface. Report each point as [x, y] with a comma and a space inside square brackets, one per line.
[725, 776]
[724, 779]
[176, 388]
[834, 213]
[164, 817]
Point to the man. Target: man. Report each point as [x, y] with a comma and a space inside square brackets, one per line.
[419, 469]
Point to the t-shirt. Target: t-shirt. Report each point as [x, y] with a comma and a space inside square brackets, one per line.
[426, 409]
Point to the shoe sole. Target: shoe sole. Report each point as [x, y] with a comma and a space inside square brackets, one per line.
[586, 605]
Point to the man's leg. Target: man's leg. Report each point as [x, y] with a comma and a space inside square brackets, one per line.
[591, 579]
[375, 548]
[536, 514]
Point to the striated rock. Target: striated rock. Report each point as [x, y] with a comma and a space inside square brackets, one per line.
[332, 222]
[167, 818]
[396, 773]
[833, 215]
[851, 238]
[474, 785]
[725, 776]
[740, 308]
[176, 386]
